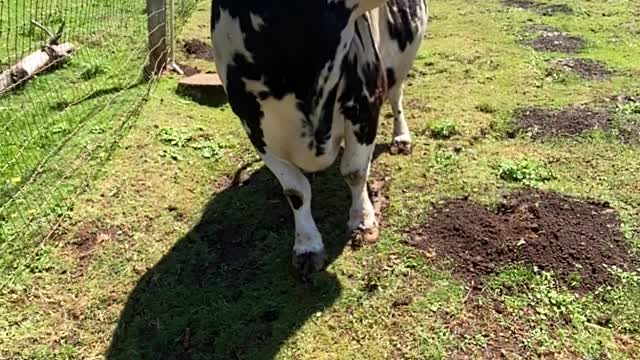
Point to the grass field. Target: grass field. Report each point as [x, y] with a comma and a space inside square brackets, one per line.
[180, 250]
[58, 128]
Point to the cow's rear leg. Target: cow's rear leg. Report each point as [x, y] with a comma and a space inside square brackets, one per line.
[309, 254]
[355, 164]
[401, 143]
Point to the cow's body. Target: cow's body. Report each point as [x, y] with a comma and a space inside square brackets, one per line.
[306, 77]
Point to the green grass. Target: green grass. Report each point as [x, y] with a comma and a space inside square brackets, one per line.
[196, 268]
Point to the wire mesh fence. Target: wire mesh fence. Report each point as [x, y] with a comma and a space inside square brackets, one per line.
[73, 75]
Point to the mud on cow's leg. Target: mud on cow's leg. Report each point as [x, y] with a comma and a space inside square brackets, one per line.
[354, 167]
[401, 143]
[308, 250]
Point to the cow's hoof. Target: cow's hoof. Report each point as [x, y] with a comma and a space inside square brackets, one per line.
[308, 263]
[400, 148]
[360, 237]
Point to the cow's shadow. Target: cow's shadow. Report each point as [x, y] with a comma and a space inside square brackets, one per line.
[224, 290]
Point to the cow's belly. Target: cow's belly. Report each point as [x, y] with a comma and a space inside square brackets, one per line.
[288, 137]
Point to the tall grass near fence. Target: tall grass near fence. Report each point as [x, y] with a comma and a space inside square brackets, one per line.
[58, 127]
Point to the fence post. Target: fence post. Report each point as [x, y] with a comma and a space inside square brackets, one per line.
[157, 25]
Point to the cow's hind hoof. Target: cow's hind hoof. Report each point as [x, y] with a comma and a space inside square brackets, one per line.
[400, 148]
[308, 263]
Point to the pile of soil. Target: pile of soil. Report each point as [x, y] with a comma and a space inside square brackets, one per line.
[557, 41]
[543, 9]
[575, 239]
[554, 9]
[585, 68]
[571, 121]
[189, 70]
[521, 4]
[198, 49]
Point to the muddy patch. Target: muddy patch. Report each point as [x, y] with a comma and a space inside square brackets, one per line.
[87, 238]
[586, 68]
[541, 123]
[520, 4]
[541, 8]
[557, 41]
[189, 70]
[198, 49]
[554, 9]
[575, 239]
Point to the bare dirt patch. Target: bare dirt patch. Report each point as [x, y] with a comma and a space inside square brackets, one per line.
[189, 70]
[575, 239]
[542, 123]
[520, 4]
[87, 238]
[541, 8]
[557, 41]
[554, 9]
[198, 49]
[585, 68]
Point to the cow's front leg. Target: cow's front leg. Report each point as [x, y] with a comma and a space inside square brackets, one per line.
[309, 254]
[355, 169]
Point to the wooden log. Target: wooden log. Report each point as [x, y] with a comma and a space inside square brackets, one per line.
[32, 64]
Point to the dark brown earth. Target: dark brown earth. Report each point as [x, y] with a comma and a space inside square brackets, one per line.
[585, 68]
[522, 4]
[189, 70]
[575, 239]
[557, 41]
[542, 123]
[88, 236]
[198, 49]
[554, 9]
[543, 9]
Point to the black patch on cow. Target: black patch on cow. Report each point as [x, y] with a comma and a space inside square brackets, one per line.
[244, 104]
[361, 77]
[391, 78]
[404, 21]
[289, 52]
[295, 198]
[323, 129]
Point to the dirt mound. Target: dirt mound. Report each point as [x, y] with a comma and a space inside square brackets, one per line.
[572, 121]
[554, 9]
[521, 4]
[576, 240]
[585, 68]
[198, 49]
[543, 9]
[557, 41]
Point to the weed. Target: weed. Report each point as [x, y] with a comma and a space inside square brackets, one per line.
[210, 149]
[444, 159]
[174, 137]
[92, 69]
[526, 172]
[442, 129]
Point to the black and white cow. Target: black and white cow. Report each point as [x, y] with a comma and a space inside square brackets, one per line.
[306, 77]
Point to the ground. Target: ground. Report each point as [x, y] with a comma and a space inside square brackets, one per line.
[181, 248]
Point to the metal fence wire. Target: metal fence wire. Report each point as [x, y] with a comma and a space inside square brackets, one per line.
[60, 120]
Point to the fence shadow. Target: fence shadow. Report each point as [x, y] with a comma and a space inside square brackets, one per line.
[224, 291]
